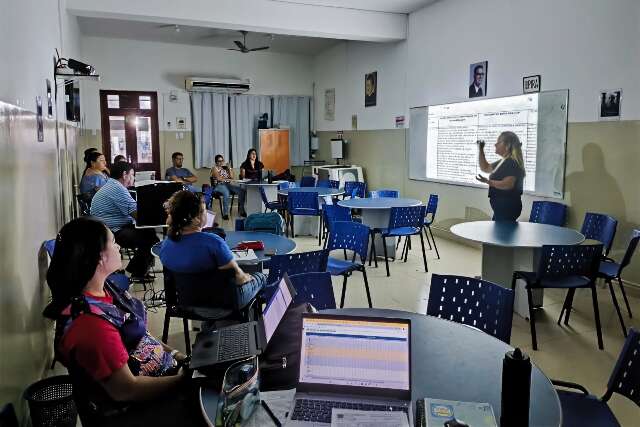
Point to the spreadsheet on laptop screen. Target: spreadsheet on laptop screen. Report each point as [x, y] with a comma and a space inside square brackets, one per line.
[361, 353]
[275, 309]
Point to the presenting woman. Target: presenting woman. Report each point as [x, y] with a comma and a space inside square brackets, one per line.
[188, 250]
[506, 176]
[122, 375]
[251, 168]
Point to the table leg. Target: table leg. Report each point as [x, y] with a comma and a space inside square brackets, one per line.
[498, 265]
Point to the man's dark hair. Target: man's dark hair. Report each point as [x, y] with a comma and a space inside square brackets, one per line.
[119, 169]
[218, 156]
[176, 154]
[119, 158]
[476, 68]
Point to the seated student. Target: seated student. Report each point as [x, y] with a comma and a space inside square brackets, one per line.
[177, 173]
[94, 176]
[221, 177]
[119, 158]
[114, 205]
[189, 250]
[114, 362]
[251, 168]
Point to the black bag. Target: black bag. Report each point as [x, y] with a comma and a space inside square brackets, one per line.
[280, 363]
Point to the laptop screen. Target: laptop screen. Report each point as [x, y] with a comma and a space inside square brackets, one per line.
[275, 309]
[356, 352]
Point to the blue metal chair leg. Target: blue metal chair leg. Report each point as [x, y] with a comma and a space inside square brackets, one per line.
[615, 303]
[624, 295]
[344, 290]
[386, 258]
[596, 314]
[366, 286]
[434, 243]
[424, 255]
[532, 321]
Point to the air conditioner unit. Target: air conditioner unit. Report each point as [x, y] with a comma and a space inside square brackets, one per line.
[213, 84]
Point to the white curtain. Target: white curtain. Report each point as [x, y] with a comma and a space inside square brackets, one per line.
[210, 117]
[293, 112]
[245, 111]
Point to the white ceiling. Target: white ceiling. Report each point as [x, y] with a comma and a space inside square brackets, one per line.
[393, 6]
[201, 36]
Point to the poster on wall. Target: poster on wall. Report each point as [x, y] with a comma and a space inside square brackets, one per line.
[609, 106]
[478, 79]
[354, 122]
[330, 104]
[39, 119]
[370, 89]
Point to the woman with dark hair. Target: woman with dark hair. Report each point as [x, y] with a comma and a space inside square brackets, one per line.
[119, 158]
[87, 162]
[189, 250]
[221, 181]
[94, 176]
[113, 360]
[506, 179]
[251, 168]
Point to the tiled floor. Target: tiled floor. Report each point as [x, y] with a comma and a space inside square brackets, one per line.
[568, 353]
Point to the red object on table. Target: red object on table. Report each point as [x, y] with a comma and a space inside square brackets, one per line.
[256, 245]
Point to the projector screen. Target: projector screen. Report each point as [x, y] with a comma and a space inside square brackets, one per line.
[442, 139]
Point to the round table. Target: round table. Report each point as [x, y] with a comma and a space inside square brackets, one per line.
[375, 214]
[508, 246]
[322, 191]
[454, 362]
[273, 244]
[253, 200]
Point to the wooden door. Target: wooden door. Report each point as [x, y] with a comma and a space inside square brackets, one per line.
[274, 149]
[130, 128]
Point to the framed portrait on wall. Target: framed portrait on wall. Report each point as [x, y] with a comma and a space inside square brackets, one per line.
[610, 103]
[370, 89]
[478, 79]
[330, 105]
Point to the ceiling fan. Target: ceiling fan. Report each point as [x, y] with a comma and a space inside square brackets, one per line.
[242, 45]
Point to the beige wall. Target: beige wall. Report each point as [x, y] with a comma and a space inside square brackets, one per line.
[31, 212]
[602, 175]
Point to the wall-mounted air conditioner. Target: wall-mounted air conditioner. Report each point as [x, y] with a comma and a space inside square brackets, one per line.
[213, 84]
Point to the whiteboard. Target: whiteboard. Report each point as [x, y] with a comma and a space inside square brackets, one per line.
[550, 155]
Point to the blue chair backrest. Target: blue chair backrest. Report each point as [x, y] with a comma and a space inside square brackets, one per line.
[300, 262]
[409, 216]
[625, 378]
[355, 189]
[208, 196]
[631, 248]
[551, 213]
[600, 227]
[314, 288]
[284, 185]
[239, 224]
[270, 222]
[376, 194]
[349, 235]
[323, 183]
[432, 205]
[120, 281]
[558, 261]
[474, 302]
[333, 213]
[303, 203]
[50, 246]
[334, 184]
[307, 181]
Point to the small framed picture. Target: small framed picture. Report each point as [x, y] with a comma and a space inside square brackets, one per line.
[610, 103]
[478, 79]
[370, 89]
[531, 84]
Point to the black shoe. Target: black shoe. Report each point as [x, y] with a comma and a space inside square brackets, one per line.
[243, 214]
[225, 217]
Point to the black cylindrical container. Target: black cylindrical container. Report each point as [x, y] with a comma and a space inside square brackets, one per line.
[516, 388]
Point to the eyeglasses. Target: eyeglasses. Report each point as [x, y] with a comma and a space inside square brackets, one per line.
[220, 161]
[479, 74]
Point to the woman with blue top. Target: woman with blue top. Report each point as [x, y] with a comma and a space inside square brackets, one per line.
[94, 175]
[188, 250]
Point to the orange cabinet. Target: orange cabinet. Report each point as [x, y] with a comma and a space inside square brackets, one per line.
[274, 149]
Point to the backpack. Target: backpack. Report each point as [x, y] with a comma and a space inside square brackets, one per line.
[270, 222]
[280, 362]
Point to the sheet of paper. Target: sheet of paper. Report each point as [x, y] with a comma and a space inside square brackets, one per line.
[244, 255]
[353, 418]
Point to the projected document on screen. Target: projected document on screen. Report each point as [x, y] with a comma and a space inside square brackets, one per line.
[453, 129]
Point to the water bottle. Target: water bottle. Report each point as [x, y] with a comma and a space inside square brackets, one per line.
[516, 389]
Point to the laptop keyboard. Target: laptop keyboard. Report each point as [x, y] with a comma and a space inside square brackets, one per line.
[234, 342]
[319, 411]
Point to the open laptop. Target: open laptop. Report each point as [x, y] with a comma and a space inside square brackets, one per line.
[245, 339]
[352, 362]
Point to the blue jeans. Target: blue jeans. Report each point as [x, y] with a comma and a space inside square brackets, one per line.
[248, 291]
[226, 189]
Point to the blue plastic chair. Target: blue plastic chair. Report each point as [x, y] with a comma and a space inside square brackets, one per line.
[376, 194]
[600, 227]
[581, 409]
[334, 184]
[472, 302]
[323, 183]
[355, 189]
[429, 218]
[349, 235]
[551, 213]
[296, 263]
[286, 184]
[403, 222]
[303, 204]
[307, 181]
[314, 288]
[210, 195]
[50, 246]
[333, 213]
[276, 205]
[564, 267]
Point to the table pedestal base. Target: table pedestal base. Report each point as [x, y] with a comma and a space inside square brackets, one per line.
[498, 265]
[379, 218]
